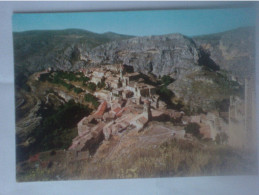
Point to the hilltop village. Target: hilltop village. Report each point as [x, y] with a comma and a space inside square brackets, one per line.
[128, 103]
[125, 106]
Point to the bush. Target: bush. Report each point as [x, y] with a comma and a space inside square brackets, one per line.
[167, 80]
[91, 86]
[92, 99]
[44, 77]
[165, 94]
[194, 129]
[78, 90]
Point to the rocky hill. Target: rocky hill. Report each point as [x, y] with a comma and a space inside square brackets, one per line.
[61, 49]
[233, 50]
[160, 55]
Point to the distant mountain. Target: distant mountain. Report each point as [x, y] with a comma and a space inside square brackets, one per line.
[167, 54]
[39, 49]
[233, 50]
[161, 55]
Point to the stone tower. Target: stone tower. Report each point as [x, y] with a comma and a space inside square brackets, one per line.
[121, 74]
[147, 110]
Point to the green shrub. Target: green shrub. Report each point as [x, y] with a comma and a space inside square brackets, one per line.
[92, 99]
[91, 86]
[78, 90]
[167, 80]
[165, 94]
[44, 77]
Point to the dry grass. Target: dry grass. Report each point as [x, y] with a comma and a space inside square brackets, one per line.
[173, 158]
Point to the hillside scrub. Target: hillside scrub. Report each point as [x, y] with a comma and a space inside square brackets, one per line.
[60, 77]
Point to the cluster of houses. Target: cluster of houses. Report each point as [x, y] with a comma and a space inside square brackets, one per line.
[128, 104]
[121, 81]
[125, 106]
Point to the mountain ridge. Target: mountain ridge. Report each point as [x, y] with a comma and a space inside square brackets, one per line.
[72, 49]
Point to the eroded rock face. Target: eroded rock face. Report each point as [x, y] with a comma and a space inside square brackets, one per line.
[26, 125]
[233, 50]
[161, 55]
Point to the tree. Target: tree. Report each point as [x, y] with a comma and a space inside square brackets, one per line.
[91, 86]
[92, 99]
[167, 80]
[78, 90]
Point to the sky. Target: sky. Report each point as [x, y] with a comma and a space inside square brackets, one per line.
[141, 23]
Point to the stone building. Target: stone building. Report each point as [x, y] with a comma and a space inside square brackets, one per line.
[128, 77]
[113, 82]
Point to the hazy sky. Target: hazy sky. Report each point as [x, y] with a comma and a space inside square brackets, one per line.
[141, 23]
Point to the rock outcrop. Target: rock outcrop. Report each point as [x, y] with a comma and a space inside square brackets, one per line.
[161, 55]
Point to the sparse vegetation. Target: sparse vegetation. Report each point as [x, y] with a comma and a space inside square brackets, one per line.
[61, 77]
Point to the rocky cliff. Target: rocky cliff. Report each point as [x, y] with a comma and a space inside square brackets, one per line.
[233, 50]
[160, 55]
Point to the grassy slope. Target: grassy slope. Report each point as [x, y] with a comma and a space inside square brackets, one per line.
[173, 158]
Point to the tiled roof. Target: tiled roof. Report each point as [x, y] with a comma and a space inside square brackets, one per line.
[101, 109]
